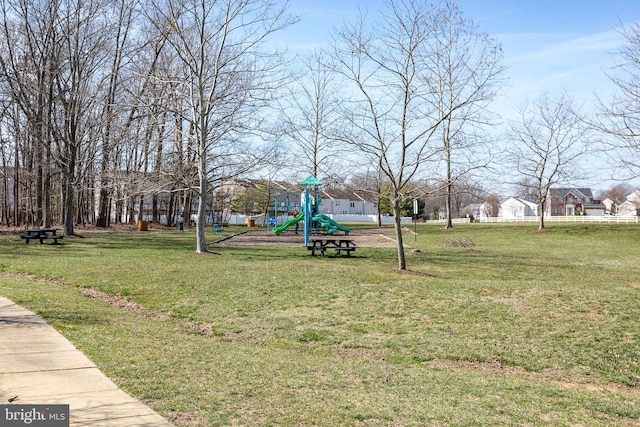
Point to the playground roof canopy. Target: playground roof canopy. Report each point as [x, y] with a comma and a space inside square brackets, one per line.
[310, 181]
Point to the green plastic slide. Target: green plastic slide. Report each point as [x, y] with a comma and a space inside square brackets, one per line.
[329, 225]
[278, 230]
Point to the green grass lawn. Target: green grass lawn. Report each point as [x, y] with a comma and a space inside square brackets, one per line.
[521, 328]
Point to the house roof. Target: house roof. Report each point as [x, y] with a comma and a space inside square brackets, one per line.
[582, 192]
[635, 196]
[366, 196]
[593, 204]
[339, 194]
[258, 183]
[533, 205]
[473, 207]
[635, 203]
[629, 208]
[348, 195]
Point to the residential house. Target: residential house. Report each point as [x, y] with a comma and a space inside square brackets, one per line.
[254, 196]
[342, 202]
[517, 208]
[631, 206]
[610, 206]
[573, 201]
[474, 210]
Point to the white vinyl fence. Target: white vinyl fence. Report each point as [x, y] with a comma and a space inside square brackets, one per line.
[242, 219]
[453, 221]
[386, 219]
[576, 219]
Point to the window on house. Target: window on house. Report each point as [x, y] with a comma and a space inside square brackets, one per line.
[352, 204]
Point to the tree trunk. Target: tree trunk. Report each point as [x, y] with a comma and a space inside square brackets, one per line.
[402, 264]
[202, 206]
[68, 206]
[103, 203]
[449, 184]
[170, 211]
[448, 207]
[16, 178]
[46, 191]
[541, 223]
[202, 178]
[39, 183]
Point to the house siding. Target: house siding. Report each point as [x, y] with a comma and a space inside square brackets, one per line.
[573, 201]
[514, 207]
[631, 207]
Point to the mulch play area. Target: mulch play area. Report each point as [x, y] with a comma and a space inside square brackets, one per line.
[372, 238]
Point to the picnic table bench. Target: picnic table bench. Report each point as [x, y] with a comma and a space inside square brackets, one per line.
[41, 234]
[339, 244]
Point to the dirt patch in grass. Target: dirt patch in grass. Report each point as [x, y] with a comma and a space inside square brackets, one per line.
[132, 307]
[411, 272]
[464, 242]
[206, 253]
[544, 230]
[556, 377]
[190, 418]
[123, 303]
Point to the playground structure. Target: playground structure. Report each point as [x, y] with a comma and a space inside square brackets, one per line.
[329, 225]
[310, 214]
[278, 230]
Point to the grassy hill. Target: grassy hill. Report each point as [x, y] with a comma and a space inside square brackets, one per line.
[503, 325]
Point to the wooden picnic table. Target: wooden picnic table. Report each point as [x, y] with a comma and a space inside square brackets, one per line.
[321, 244]
[41, 234]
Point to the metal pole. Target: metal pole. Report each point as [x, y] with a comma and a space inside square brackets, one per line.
[415, 220]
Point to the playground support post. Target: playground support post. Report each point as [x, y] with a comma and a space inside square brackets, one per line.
[275, 208]
[307, 216]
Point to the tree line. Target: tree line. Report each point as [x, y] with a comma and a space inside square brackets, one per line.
[105, 102]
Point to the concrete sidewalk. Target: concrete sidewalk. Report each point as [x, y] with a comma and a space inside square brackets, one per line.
[40, 366]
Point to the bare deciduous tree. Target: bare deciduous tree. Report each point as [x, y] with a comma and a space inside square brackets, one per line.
[227, 75]
[28, 64]
[370, 182]
[491, 206]
[83, 36]
[419, 72]
[545, 143]
[310, 112]
[620, 117]
[388, 110]
[617, 194]
[113, 82]
[465, 72]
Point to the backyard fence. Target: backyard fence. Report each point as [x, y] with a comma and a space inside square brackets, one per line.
[242, 219]
[575, 218]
